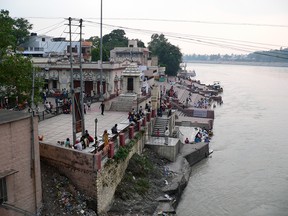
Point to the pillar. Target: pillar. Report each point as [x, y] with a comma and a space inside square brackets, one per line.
[98, 160]
[131, 132]
[144, 121]
[111, 150]
[122, 139]
[148, 116]
[139, 125]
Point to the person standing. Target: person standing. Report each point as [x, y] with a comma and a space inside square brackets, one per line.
[166, 135]
[102, 107]
[105, 138]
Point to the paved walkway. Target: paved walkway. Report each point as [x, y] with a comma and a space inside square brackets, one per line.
[59, 128]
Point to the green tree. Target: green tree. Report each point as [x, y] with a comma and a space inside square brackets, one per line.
[169, 55]
[140, 43]
[13, 31]
[115, 39]
[95, 54]
[15, 70]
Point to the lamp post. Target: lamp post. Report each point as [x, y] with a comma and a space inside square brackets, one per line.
[101, 56]
[96, 125]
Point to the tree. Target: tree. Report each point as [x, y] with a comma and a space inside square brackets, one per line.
[13, 31]
[95, 53]
[115, 39]
[168, 54]
[140, 43]
[15, 70]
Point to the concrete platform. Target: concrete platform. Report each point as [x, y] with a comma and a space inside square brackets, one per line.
[59, 127]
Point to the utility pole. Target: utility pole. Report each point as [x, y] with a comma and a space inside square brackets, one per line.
[81, 83]
[101, 56]
[72, 86]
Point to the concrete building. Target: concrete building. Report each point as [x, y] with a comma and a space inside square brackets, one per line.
[133, 53]
[57, 75]
[20, 178]
[46, 46]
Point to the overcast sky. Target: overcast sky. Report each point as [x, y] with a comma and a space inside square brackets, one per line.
[201, 27]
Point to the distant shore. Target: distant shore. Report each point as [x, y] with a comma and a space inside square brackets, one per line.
[265, 64]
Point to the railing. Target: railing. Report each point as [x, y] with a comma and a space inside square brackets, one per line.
[42, 115]
[115, 139]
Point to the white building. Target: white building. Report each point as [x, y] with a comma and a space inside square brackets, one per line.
[46, 46]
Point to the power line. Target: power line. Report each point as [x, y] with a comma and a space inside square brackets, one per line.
[195, 21]
[173, 20]
[57, 24]
[190, 37]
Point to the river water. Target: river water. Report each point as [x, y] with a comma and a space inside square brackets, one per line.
[248, 172]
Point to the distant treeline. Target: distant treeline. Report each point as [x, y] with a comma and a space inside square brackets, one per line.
[259, 56]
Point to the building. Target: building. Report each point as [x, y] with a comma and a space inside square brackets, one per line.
[46, 46]
[20, 178]
[133, 53]
[57, 75]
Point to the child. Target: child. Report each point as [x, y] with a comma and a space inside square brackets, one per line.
[158, 133]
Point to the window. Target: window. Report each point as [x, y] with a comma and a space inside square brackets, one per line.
[43, 39]
[3, 190]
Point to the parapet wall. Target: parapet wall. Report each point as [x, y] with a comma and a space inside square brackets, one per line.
[81, 169]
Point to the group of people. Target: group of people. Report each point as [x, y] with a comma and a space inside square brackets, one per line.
[81, 143]
[134, 116]
[201, 135]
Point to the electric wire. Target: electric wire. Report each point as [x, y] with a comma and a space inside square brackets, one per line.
[239, 45]
[174, 35]
[57, 24]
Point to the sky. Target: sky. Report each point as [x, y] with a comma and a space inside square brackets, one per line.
[200, 27]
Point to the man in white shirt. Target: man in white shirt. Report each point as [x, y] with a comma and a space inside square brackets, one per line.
[78, 146]
[166, 136]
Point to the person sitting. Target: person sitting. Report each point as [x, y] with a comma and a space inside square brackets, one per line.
[78, 146]
[198, 137]
[114, 129]
[47, 107]
[84, 141]
[87, 135]
[187, 140]
[67, 143]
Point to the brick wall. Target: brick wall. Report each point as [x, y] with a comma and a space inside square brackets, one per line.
[23, 187]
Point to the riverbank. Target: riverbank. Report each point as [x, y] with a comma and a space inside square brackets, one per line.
[264, 64]
[151, 185]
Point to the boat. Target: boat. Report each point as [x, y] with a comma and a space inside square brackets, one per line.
[216, 86]
[184, 73]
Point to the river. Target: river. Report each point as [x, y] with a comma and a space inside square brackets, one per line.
[247, 174]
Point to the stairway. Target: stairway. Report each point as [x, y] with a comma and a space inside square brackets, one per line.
[161, 123]
[123, 104]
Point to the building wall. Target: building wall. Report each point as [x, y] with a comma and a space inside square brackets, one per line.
[23, 190]
[78, 166]
[91, 72]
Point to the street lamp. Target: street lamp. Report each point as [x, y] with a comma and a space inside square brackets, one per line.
[96, 126]
[101, 56]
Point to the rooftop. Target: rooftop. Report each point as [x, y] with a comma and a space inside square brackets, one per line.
[7, 116]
